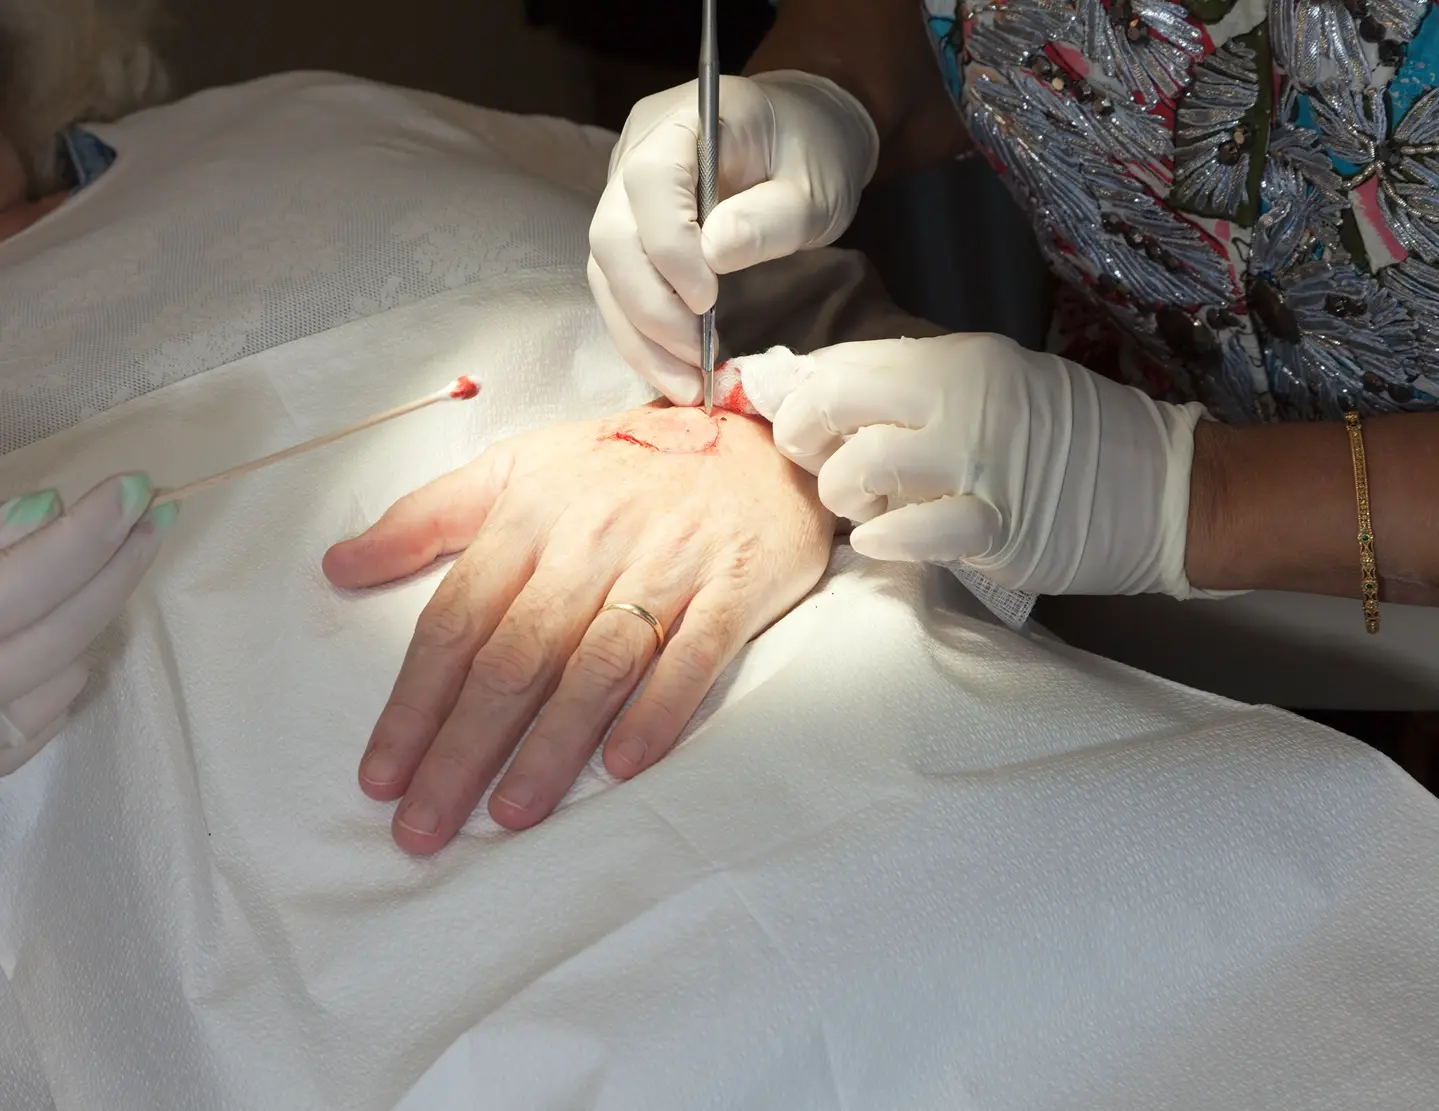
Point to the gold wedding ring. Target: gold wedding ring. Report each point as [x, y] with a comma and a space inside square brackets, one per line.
[644, 615]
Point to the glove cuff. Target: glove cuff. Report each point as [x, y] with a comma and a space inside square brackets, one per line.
[857, 128]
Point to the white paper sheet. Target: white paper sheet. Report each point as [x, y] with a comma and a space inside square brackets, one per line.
[906, 860]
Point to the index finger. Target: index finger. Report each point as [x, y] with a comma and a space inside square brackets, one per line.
[854, 385]
[661, 179]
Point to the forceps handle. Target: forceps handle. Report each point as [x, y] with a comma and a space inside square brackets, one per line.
[708, 174]
[709, 113]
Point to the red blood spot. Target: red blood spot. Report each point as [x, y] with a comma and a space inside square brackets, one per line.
[464, 388]
[625, 437]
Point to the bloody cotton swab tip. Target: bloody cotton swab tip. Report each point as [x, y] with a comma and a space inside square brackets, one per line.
[463, 388]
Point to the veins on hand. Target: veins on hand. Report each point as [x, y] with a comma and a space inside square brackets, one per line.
[677, 431]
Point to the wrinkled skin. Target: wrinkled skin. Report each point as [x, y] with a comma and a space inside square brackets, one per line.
[700, 518]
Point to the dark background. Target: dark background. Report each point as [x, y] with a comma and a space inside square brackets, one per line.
[948, 243]
[587, 61]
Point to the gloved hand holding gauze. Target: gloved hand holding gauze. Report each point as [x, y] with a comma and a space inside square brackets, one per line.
[757, 385]
[1038, 474]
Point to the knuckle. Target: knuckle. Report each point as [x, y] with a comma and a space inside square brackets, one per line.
[607, 237]
[511, 664]
[985, 349]
[738, 567]
[606, 656]
[446, 623]
[402, 719]
[645, 164]
[697, 658]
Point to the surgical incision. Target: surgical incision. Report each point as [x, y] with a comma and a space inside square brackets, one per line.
[679, 431]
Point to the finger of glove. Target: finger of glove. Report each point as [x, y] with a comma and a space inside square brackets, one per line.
[31, 714]
[41, 651]
[642, 293]
[772, 220]
[944, 530]
[54, 562]
[679, 381]
[661, 180]
[881, 464]
[847, 391]
[23, 516]
[13, 759]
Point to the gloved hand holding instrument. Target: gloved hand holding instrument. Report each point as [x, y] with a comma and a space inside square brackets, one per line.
[795, 153]
[1035, 472]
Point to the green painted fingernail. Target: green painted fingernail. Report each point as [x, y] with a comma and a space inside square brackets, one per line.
[164, 515]
[29, 510]
[135, 493]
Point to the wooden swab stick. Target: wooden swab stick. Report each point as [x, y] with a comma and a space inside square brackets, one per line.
[461, 389]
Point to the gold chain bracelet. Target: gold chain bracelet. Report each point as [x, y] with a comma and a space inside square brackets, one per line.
[1369, 582]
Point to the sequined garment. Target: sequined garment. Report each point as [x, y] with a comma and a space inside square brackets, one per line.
[1241, 197]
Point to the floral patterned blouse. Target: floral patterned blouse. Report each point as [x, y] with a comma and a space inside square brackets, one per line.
[1241, 199]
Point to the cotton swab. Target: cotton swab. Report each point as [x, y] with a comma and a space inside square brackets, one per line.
[461, 389]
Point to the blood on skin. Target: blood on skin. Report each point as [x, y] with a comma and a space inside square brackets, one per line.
[625, 437]
[672, 431]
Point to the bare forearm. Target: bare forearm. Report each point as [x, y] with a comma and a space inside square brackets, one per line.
[1272, 508]
[879, 51]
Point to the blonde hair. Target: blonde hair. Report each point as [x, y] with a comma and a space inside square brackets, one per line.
[68, 61]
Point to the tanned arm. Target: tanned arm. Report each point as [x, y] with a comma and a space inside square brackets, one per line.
[880, 52]
[1272, 508]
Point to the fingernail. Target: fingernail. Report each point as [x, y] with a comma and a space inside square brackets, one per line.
[381, 770]
[135, 493]
[30, 510]
[520, 793]
[163, 516]
[632, 751]
[419, 817]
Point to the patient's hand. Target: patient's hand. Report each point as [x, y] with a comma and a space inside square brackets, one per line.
[664, 508]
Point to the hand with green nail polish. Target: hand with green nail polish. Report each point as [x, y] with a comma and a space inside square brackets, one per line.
[64, 576]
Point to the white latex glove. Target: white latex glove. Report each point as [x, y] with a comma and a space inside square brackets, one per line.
[796, 152]
[1037, 473]
[63, 577]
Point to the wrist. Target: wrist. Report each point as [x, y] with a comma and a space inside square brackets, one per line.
[1209, 534]
[1272, 507]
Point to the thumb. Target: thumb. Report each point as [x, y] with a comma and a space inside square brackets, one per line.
[436, 520]
[945, 530]
[771, 220]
